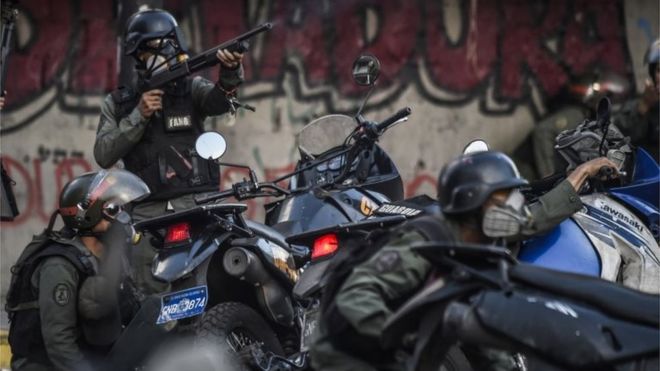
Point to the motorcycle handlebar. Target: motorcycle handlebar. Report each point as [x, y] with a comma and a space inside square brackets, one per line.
[241, 195]
[215, 196]
[392, 119]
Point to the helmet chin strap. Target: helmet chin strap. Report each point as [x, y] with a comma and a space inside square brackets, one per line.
[51, 221]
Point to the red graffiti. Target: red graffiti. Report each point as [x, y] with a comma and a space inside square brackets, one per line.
[301, 35]
[510, 42]
[34, 69]
[604, 47]
[34, 197]
[34, 186]
[94, 69]
[394, 43]
[462, 67]
[414, 186]
[522, 47]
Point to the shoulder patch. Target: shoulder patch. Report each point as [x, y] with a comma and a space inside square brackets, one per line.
[61, 294]
[388, 261]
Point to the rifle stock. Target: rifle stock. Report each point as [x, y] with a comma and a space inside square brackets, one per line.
[9, 14]
[203, 60]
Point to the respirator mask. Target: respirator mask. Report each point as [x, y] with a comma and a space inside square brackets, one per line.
[120, 224]
[508, 219]
[163, 53]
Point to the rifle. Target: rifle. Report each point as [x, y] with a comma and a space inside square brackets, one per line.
[9, 14]
[8, 209]
[201, 61]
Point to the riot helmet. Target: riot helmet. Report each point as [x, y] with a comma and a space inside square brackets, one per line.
[92, 197]
[651, 59]
[155, 33]
[467, 182]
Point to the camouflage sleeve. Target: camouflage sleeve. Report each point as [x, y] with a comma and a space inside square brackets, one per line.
[58, 298]
[115, 139]
[553, 207]
[211, 99]
[393, 273]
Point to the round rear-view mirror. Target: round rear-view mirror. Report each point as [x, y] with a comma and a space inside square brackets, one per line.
[366, 70]
[477, 145]
[211, 145]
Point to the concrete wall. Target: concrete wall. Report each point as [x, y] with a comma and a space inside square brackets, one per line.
[474, 68]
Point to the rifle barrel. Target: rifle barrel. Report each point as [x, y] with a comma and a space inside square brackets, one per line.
[201, 61]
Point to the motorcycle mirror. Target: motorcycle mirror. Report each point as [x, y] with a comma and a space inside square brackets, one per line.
[366, 70]
[211, 145]
[477, 145]
[603, 120]
[603, 111]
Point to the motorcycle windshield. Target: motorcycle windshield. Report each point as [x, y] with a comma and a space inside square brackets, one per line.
[325, 133]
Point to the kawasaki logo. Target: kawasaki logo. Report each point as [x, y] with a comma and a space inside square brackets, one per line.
[622, 217]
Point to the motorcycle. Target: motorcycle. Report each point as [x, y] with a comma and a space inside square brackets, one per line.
[542, 319]
[231, 278]
[615, 236]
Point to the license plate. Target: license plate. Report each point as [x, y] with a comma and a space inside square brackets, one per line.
[183, 304]
[309, 328]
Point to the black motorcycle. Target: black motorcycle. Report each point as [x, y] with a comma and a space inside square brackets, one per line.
[232, 278]
[542, 319]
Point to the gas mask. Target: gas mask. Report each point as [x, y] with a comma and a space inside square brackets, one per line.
[164, 54]
[121, 220]
[508, 219]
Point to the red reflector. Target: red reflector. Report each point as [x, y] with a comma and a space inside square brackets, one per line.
[178, 233]
[325, 245]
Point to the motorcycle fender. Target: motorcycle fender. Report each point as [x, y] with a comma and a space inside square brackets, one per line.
[139, 338]
[171, 264]
[310, 280]
[551, 326]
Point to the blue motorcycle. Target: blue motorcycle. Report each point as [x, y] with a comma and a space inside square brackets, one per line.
[615, 235]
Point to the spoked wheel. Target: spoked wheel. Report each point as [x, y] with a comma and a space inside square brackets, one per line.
[233, 328]
[240, 339]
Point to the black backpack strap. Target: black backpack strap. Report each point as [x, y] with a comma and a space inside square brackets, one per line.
[432, 228]
[20, 295]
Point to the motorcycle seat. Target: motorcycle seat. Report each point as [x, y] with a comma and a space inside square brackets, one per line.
[610, 297]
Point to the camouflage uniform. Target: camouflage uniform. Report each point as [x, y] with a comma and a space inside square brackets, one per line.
[395, 273]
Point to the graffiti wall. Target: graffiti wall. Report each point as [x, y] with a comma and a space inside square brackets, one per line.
[471, 68]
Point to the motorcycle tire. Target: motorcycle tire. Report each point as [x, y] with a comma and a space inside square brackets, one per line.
[235, 326]
[455, 360]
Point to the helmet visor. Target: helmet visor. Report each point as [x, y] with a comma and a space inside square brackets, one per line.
[117, 186]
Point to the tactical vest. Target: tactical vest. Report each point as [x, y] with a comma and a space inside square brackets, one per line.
[22, 304]
[164, 158]
[341, 333]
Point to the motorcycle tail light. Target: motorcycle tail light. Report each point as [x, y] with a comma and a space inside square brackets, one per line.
[324, 246]
[177, 233]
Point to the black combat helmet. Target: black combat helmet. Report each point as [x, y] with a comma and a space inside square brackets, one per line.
[467, 182]
[652, 58]
[152, 24]
[85, 200]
